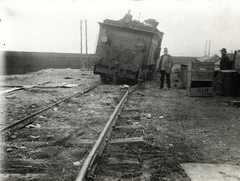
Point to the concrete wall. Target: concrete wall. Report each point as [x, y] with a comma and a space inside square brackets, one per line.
[23, 62]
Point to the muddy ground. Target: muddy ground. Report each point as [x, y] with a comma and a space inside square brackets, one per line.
[181, 129]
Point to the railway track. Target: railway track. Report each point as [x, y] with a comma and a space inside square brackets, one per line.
[73, 150]
[25, 121]
[91, 160]
[40, 150]
[122, 151]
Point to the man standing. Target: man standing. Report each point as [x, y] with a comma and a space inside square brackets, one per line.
[165, 64]
[225, 63]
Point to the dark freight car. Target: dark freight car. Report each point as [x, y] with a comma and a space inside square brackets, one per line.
[127, 49]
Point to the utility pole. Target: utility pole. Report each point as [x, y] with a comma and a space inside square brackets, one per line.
[209, 47]
[81, 36]
[86, 36]
[206, 48]
[82, 24]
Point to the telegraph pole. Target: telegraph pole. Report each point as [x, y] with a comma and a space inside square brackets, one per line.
[206, 48]
[82, 24]
[86, 36]
[81, 36]
[209, 47]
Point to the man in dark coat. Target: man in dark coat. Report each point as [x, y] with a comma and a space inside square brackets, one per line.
[165, 64]
[225, 63]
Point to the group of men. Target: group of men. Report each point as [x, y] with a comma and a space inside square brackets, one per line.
[165, 63]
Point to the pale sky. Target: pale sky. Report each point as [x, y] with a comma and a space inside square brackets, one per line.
[54, 26]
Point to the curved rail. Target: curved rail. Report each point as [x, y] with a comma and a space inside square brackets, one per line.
[103, 138]
[38, 112]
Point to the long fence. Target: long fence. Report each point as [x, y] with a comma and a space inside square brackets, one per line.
[23, 62]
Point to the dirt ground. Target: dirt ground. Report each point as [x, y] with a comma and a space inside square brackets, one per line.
[184, 129]
[192, 129]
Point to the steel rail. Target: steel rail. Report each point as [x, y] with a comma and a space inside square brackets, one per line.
[99, 145]
[42, 110]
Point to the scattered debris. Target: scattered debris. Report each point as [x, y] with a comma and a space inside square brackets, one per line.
[33, 126]
[35, 137]
[30, 126]
[124, 86]
[129, 120]
[13, 136]
[68, 78]
[140, 94]
[9, 90]
[76, 163]
[149, 116]
[45, 82]
[11, 96]
[21, 147]
[42, 117]
[47, 101]
[106, 91]
[28, 86]
[69, 85]
[9, 149]
[33, 106]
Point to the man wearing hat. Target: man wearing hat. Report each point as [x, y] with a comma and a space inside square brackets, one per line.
[165, 64]
[225, 63]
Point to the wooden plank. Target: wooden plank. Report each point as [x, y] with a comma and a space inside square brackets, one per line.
[212, 172]
[200, 91]
[120, 161]
[23, 161]
[9, 90]
[131, 109]
[234, 103]
[129, 127]
[20, 176]
[24, 165]
[27, 144]
[202, 75]
[53, 128]
[83, 142]
[203, 66]
[130, 115]
[127, 140]
[45, 144]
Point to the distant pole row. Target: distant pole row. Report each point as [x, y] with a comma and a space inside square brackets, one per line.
[81, 35]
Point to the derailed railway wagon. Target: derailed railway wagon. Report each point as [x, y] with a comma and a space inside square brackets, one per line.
[127, 49]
